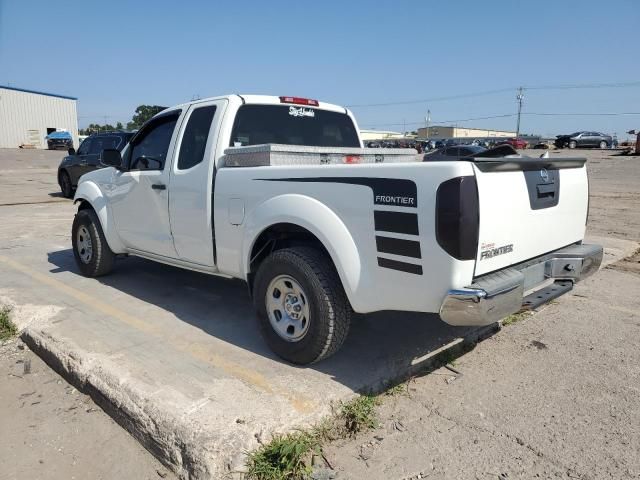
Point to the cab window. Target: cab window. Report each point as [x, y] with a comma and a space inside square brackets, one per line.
[150, 146]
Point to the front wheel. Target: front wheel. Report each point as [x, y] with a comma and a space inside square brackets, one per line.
[65, 185]
[303, 311]
[603, 145]
[93, 256]
[573, 144]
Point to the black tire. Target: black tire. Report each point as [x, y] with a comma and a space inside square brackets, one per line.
[101, 259]
[329, 308]
[65, 184]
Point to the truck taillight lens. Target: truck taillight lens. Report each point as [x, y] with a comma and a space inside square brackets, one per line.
[458, 217]
[352, 159]
[299, 101]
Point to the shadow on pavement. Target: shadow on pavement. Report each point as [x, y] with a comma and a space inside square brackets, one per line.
[382, 348]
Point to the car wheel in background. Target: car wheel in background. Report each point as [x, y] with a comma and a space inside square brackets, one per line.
[603, 145]
[90, 249]
[65, 184]
[303, 311]
[573, 144]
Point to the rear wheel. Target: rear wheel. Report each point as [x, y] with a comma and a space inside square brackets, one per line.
[93, 256]
[303, 311]
[65, 185]
[573, 144]
[603, 145]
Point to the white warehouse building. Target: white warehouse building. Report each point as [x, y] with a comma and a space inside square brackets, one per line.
[28, 116]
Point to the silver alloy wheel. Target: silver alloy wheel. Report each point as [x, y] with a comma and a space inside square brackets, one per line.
[603, 145]
[84, 245]
[288, 308]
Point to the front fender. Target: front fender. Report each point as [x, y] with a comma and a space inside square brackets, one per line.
[326, 226]
[89, 192]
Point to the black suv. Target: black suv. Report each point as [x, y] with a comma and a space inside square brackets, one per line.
[583, 139]
[87, 158]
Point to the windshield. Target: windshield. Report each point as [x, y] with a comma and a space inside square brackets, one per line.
[59, 135]
[292, 125]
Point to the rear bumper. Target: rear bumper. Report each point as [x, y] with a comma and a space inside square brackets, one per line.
[527, 285]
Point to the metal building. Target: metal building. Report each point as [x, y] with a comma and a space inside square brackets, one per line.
[28, 116]
[448, 131]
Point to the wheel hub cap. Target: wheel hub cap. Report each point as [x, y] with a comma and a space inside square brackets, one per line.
[287, 308]
[84, 246]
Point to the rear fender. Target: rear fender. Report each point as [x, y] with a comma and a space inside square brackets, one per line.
[326, 226]
[88, 191]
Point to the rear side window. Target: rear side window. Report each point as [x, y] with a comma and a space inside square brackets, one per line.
[194, 139]
[99, 144]
[292, 125]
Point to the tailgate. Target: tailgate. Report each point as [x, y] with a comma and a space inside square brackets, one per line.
[528, 207]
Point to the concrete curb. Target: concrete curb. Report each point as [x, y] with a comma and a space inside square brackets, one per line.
[184, 447]
[160, 432]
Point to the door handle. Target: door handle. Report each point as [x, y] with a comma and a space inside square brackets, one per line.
[159, 186]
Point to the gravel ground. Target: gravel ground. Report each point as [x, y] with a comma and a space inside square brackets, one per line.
[52, 431]
[553, 396]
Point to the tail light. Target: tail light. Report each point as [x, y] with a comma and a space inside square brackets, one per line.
[458, 217]
[352, 159]
[300, 101]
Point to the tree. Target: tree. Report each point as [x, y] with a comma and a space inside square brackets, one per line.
[142, 114]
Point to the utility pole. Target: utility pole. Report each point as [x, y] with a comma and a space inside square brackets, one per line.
[519, 97]
[427, 119]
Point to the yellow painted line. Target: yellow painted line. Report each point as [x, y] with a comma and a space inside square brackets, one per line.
[198, 351]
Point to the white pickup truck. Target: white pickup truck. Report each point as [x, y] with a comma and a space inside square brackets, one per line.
[279, 192]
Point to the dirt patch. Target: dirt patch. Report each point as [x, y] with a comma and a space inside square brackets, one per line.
[630, 264]
[51, 430]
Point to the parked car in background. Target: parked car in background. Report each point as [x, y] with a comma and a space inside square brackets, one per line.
[584, 139]
[56, 140]
[428, 145]
[453, 153]
[87, 158]
[517, 143]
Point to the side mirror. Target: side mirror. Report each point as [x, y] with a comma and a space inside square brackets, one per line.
[71, 151]
[111, 157]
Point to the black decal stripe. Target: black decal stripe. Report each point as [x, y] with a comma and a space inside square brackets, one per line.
[386, 191]
[396, 222]
[400, 266]
[398, 246]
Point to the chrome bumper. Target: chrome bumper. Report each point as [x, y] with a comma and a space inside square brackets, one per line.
[499, 294]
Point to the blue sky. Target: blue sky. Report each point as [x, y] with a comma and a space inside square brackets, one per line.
[116, 55]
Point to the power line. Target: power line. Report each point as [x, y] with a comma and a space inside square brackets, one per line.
[502, 90]
[506, 115]
[605, 114]
[445, 121]
[433, 99]
[586, 85]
